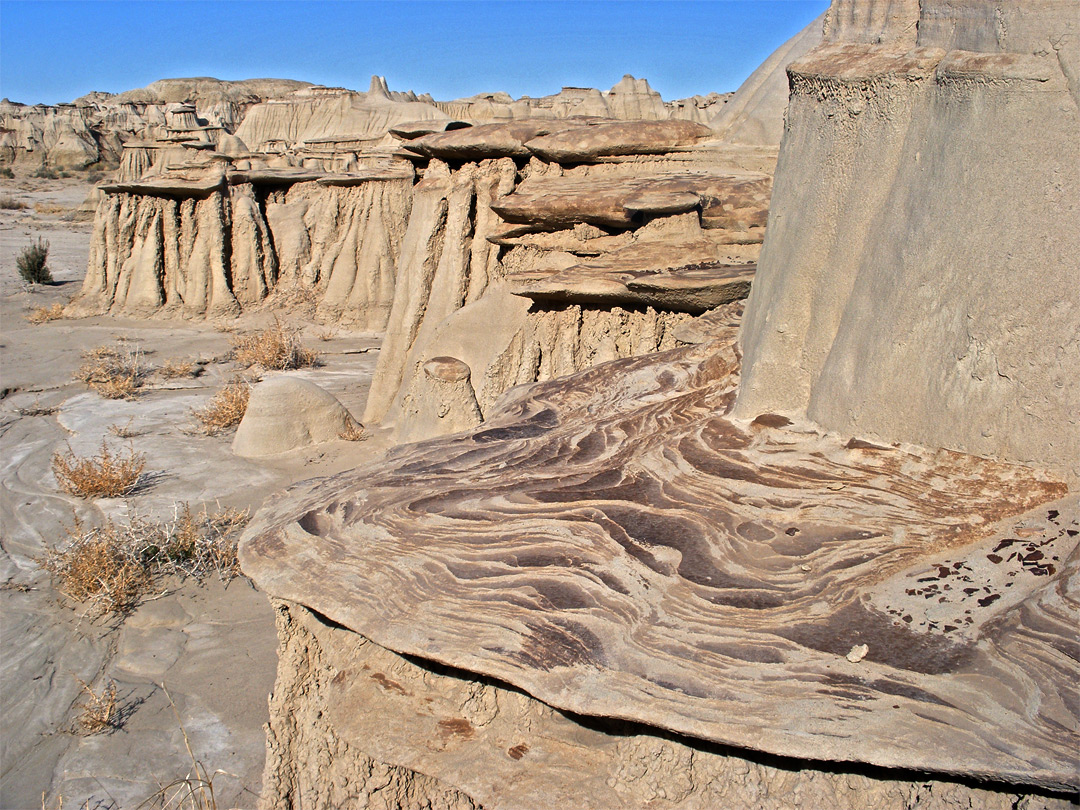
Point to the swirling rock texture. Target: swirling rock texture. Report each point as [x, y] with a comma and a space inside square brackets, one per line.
[658, 543]
[616, 546]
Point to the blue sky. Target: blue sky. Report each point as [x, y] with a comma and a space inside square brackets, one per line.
[56, 51]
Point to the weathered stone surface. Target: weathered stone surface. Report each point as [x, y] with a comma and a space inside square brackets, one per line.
[616, 546]
[683, 276]
[486, 140]
[503, 749]
[621, 138]
[441, 400]
[417, 129]
[227, 244]
[285, 413]
[736, 201]
[923, 230]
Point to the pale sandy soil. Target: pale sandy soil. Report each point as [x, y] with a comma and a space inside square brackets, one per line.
[211, 646]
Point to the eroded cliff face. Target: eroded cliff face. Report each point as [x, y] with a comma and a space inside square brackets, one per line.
[527, 272]
[217, 245]
[94, 129]
[920, 278]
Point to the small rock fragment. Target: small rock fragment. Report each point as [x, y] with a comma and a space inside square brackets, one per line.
[858, 653]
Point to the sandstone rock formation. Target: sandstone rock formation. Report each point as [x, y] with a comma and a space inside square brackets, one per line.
[799, 562]
[615, 546]
[285, 413]
[949, 117]
[95, 128]
[629, 99]
[312, 193]
[215, 241]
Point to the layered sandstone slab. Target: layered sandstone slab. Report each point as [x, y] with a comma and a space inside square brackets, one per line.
[682, 275]
[738, 201]
[582, 144]
[614, 545]
[458, 740]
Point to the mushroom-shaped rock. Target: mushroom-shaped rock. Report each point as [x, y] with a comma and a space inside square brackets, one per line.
[440, 401]
[732, 201]
[411, 130]
[487, 140]
[619, 138]
[286, 413]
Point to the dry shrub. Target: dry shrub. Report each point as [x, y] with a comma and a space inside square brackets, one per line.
[9, 203]
[113, 565]
[225, 409]
[37, 409]
[44, 314]
[100, 711]
[277, 347]
[125, 431]
[32, 263]
[102, 476]
[174, 369]
[95, 567]
[354, 432]
[49, 208]
[115, 373]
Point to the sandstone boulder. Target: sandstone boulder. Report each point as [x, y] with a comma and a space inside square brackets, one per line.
[286, 413]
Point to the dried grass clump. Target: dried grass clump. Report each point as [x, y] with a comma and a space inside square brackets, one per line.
[225, 409]
[95, 567]
[175, 369]
[102, 476]
[99, 711]
[114, 372]
[126, 430]
[276, 348]
[113, 565]
[44, 314]
[49, 208]
[9, 203]
[354, 432]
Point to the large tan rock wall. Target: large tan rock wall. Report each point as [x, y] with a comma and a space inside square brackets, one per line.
[229, 249]
[920, 280]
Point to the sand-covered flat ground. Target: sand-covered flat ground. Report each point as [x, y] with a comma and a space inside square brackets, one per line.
[211, 646]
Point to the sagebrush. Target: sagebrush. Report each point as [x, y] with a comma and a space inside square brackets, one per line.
[114, 372]
[225, 409]
[9, 203]
[276, 348]
[99, 712]
[44, 314]
[105, 475]
[112, 566]
[33, 263]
